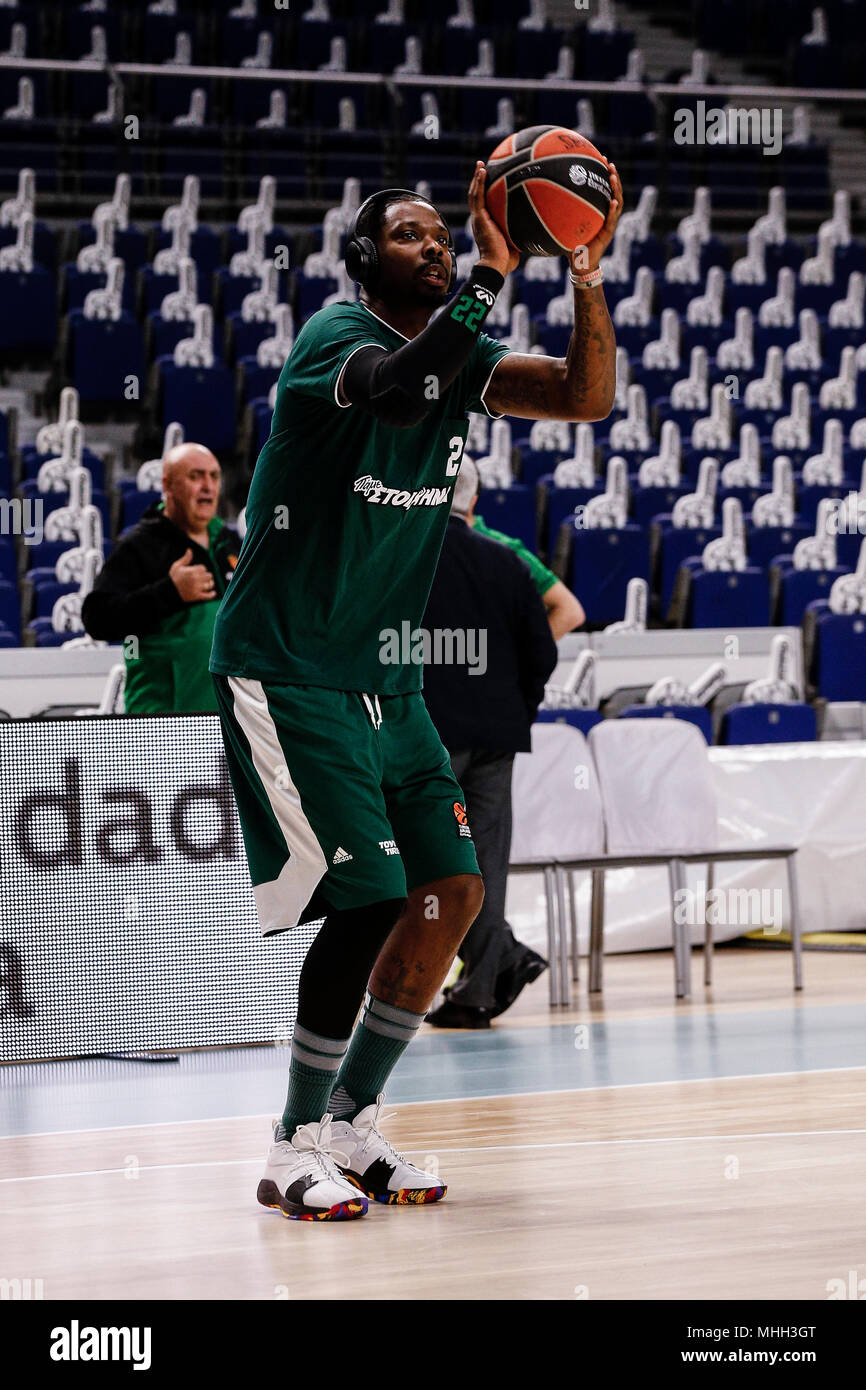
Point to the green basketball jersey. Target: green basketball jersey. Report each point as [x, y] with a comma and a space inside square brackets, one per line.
[345, 520]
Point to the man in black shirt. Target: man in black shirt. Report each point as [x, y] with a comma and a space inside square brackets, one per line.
[483, 709]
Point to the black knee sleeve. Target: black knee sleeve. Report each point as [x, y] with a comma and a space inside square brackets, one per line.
[338, 964]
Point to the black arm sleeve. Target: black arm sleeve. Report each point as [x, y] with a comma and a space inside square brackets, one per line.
[399, 388]
[122, 602]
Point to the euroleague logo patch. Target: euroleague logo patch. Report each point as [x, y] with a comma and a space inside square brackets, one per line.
[577, 174]
[462, 820]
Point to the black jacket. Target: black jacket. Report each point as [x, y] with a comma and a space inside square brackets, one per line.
[134, 592]
[483, 587]
[134, 596]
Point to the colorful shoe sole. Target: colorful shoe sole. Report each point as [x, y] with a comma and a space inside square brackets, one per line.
[269, 1195]
[405, 1197]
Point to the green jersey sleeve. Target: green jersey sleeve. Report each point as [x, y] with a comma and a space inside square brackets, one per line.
[324, 346]
[488, 352]
[542, 577]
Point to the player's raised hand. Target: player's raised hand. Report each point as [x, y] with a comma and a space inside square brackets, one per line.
[596, 248]
[493, 249]
[194, 583]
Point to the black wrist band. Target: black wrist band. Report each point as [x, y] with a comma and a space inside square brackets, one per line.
[488, 277]
[477, 297]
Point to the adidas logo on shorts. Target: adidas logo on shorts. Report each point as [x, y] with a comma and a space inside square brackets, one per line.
[341, 857]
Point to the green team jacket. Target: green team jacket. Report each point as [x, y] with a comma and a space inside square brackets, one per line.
[134, 597]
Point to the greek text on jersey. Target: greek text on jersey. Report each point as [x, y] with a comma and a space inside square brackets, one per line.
[374, 490]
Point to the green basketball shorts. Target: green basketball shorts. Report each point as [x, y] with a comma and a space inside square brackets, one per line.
[344, 799]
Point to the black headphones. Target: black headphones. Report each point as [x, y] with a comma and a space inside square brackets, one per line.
[361, 256]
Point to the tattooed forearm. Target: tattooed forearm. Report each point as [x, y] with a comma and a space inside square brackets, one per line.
[590, 364]
[580, 386]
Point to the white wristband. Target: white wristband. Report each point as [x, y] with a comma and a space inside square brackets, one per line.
[588, 280]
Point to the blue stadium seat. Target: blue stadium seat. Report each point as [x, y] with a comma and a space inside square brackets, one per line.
[257, 381]
[536, 464]
[676, 545]
[604, 56]
[31, 462]
[45, 555]
[314, 43]
[28, 309]
[202, 399]
[205, 247]
[511, 510]
[562, 503]
[312, 294]
[799, 588]
[51, 501]
[602, 563]
[10, 608]
[130, 245]
[47, 637]
[536, 52]
[8, 563]
[793, 723]
[156, 287]
[160, 31]
[630, 113]
[165, 334]
[535, 294]
[104, 354]
[78, 284]
[764, 543]
[839, 656]
[459, 51]
[47, 592]
[243, 337]
[44, 243]
[582, 719]
[262, 415]
[650, 502]
[134, 503]
[729, 598]
[233, 289]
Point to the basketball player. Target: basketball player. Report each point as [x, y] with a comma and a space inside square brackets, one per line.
[347, 803]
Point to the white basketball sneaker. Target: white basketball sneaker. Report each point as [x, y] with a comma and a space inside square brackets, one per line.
[302, 1179]
[374, 1166]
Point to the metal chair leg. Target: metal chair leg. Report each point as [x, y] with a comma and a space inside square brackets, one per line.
[708, 930]
[552, 936]
[564, 988]
[796, 937]
[681, 939]
[596, 931]
[572, 917]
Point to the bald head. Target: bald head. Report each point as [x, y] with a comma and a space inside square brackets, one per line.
[191, 479]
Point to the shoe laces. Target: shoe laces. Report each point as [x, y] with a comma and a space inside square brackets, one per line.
[374, 1134]
[314, 1141]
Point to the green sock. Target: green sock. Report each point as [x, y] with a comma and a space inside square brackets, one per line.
[312, 1073]
[381, 1037]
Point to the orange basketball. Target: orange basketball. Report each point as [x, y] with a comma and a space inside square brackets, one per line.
[548, 190]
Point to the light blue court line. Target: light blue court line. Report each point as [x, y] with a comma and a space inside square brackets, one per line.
[50, 1097]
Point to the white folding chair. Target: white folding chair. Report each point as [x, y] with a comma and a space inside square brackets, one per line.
[557, 814]
[659, 807]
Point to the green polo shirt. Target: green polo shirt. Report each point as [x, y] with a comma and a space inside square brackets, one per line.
[542, 577]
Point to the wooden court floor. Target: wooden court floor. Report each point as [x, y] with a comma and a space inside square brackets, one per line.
[721, 1188]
